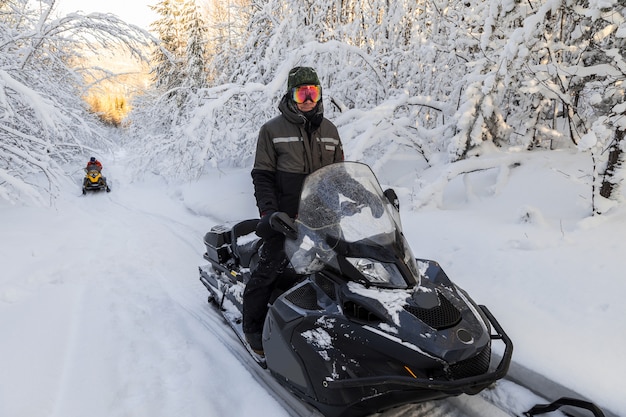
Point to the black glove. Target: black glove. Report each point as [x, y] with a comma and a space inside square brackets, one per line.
[263, 228]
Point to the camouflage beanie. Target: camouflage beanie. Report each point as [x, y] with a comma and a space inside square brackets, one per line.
[302, 76]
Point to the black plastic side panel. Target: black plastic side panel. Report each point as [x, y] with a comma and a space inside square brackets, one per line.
[217, 242]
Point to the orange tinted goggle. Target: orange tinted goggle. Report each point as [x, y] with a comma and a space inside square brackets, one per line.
[306, 92]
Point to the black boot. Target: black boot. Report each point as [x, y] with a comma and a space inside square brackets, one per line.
[255, 340]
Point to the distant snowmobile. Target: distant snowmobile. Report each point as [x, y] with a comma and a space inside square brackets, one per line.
[359, 324]
[94, 181]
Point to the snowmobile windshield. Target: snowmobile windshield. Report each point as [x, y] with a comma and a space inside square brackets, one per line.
[343, 211]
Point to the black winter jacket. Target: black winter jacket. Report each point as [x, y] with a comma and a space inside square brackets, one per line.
[291, 146]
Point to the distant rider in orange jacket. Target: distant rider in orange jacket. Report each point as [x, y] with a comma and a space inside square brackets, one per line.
[93, 164]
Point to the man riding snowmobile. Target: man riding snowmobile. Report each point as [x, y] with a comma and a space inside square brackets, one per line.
[94, 180]
[290, 146]
[93, 164]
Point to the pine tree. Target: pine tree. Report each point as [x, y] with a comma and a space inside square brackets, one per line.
[168, 58]
[195, 51]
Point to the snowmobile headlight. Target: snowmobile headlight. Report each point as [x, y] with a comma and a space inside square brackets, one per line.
[379, 273]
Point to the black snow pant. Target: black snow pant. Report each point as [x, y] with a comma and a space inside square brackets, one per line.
[258, 291]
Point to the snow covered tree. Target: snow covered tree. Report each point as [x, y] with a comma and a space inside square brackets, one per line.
[529, 85]
[437, 76]
[168, 58]
[195, 51]
[180, 59]
[602, 90]
[160, 117]
[227, 23]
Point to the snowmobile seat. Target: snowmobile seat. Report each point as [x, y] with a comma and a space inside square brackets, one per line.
[245, 242]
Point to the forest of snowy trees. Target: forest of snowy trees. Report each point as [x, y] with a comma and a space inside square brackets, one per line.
[439, 77]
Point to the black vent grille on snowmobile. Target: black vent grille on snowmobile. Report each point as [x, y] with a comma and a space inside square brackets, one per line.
[327, 286]
[359, 313]
[477, 365]
[443, 316]
[304, 297]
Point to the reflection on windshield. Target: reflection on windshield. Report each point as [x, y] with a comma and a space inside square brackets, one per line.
[343, 201]
[347, 197]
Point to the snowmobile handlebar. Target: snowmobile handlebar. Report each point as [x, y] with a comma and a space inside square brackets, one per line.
[282, 223]
[470, 385]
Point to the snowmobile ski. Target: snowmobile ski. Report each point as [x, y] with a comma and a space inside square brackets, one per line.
[564, 402]
[232, 318]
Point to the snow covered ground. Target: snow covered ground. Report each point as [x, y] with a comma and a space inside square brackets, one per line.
[102, 312]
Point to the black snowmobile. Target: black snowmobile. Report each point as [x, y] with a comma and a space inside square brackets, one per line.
[94, 181]
[359, 325]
